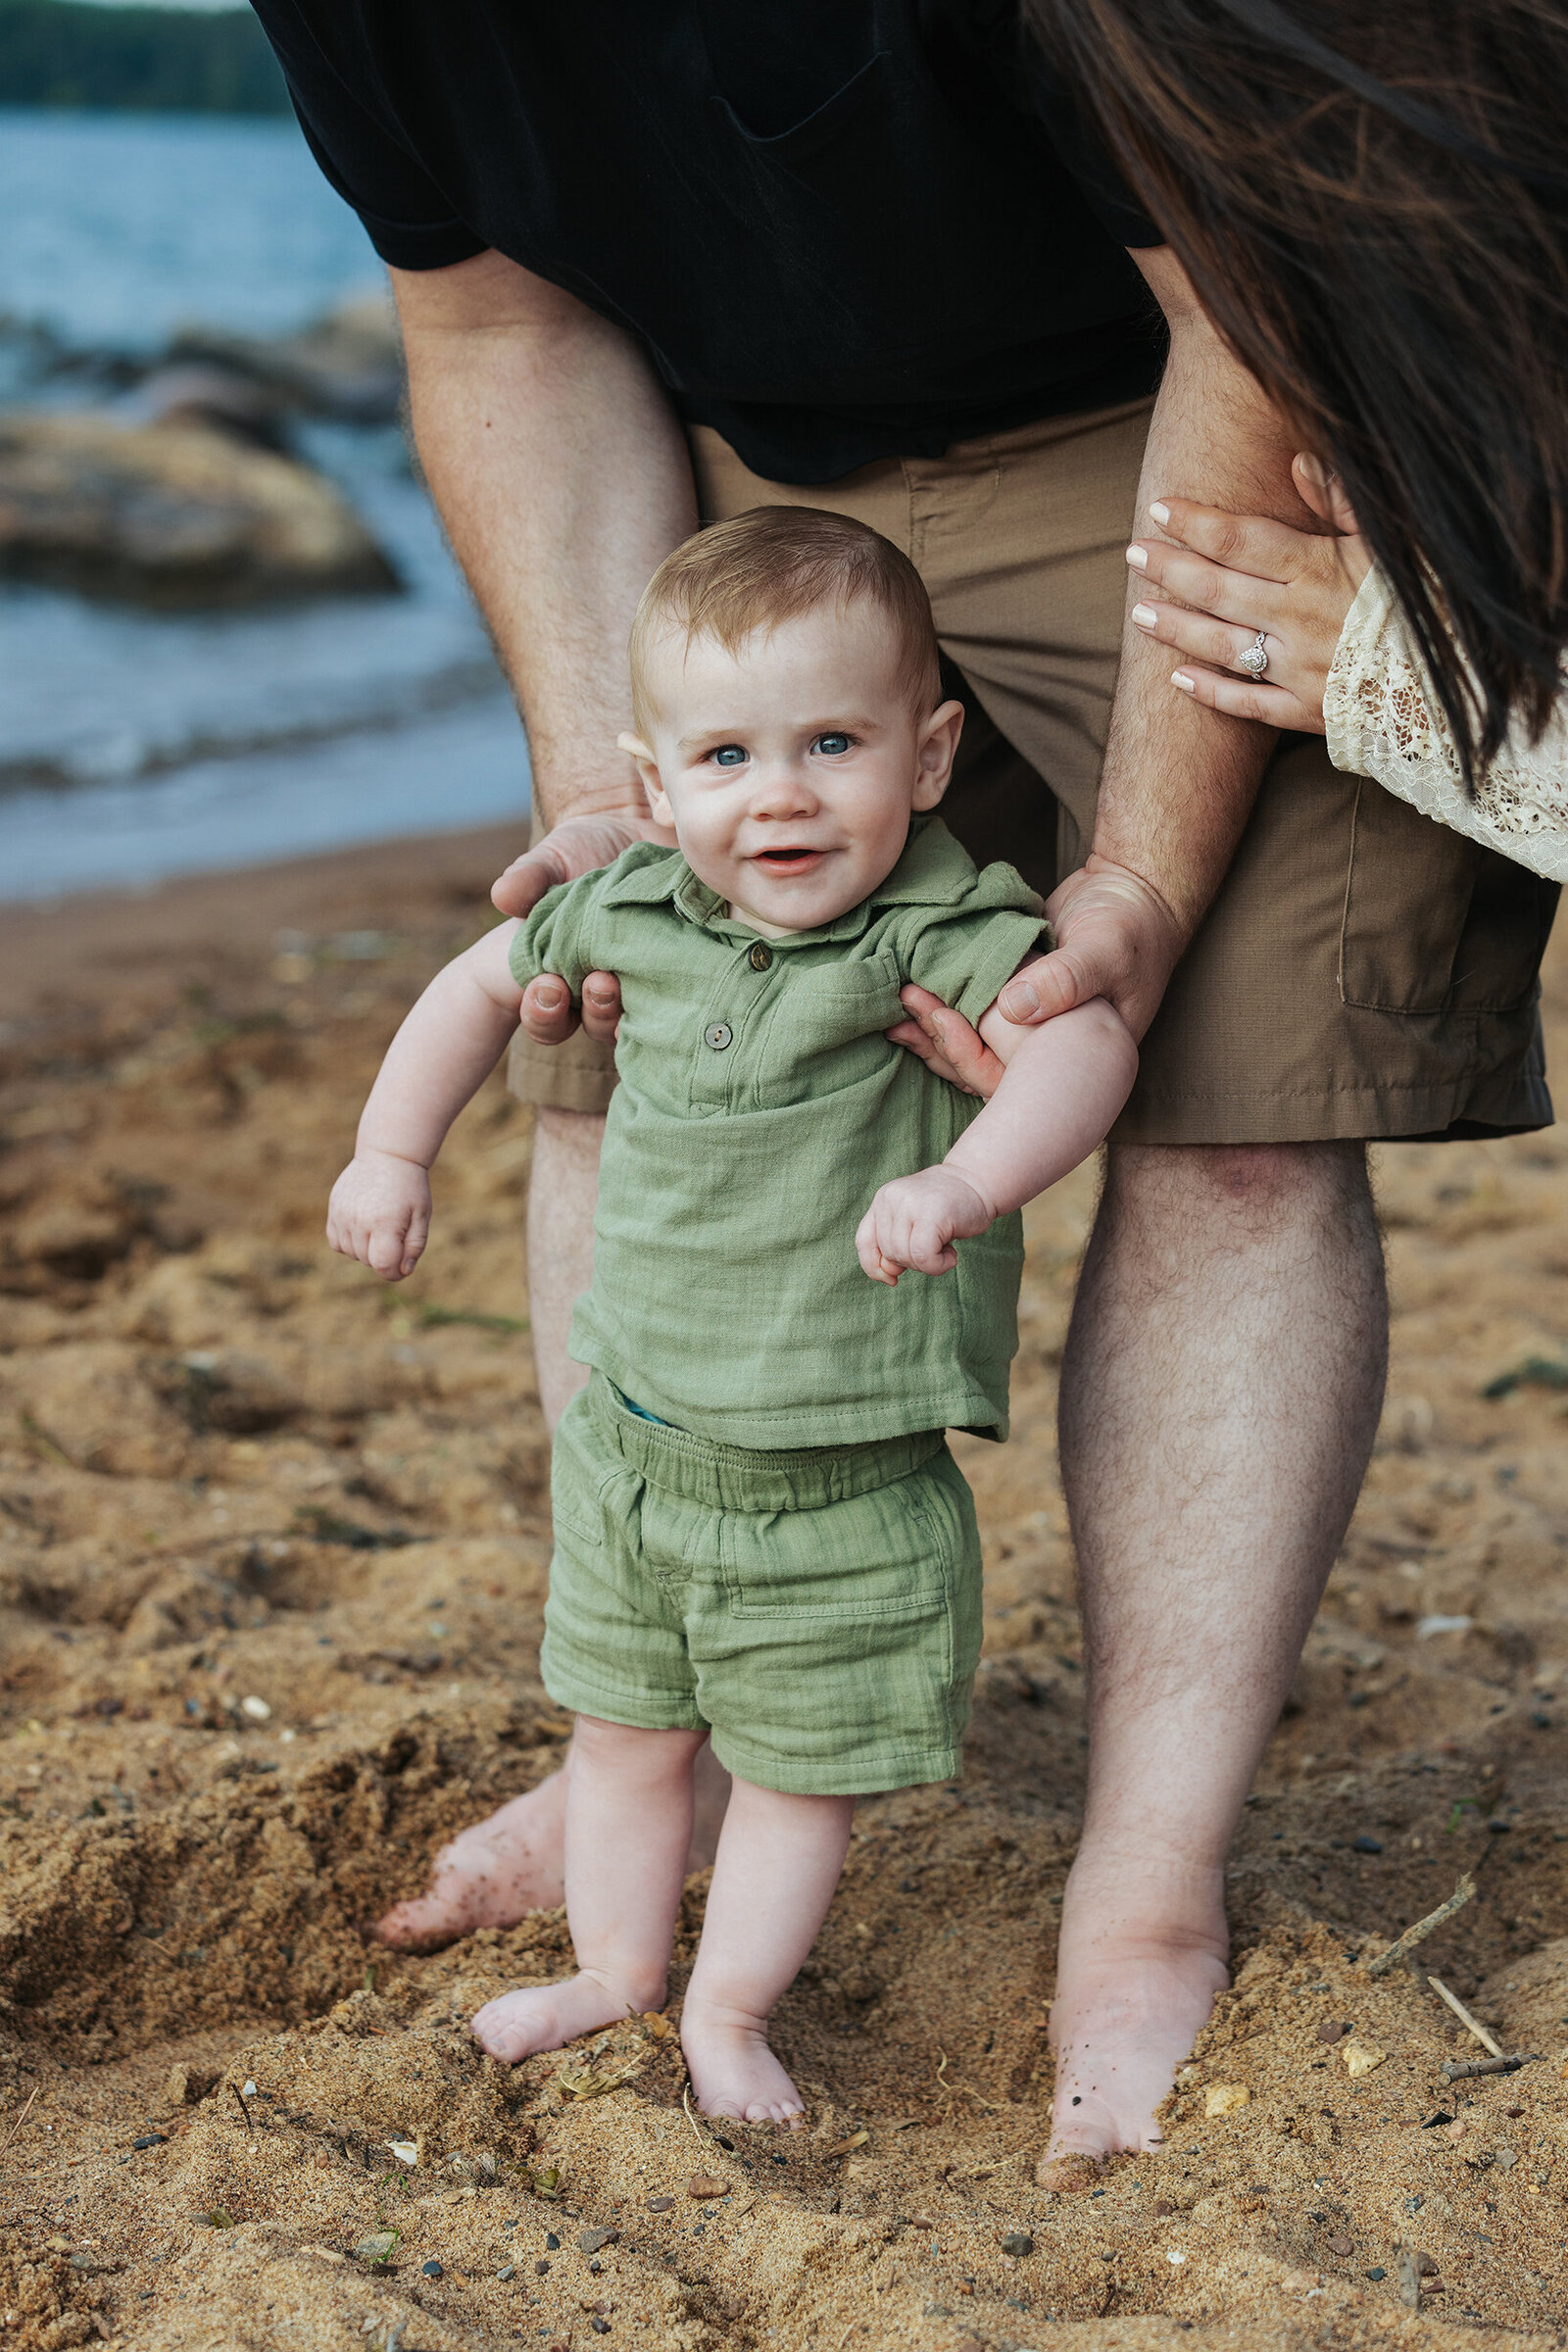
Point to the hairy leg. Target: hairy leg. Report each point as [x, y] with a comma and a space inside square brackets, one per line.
[563, 1194]
[1220, 1392]
[779, 1859]
[511, 1863]
[628, 1825]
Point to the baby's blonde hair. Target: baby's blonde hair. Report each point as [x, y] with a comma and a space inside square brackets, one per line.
[773, 564]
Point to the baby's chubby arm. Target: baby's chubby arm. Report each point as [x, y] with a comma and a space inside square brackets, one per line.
[438, 1061]
[1061, 1089]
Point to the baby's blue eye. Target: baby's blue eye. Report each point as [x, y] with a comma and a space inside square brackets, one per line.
[831, 744]
[728, 754]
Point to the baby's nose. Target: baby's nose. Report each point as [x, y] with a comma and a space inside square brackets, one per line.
[783, 791]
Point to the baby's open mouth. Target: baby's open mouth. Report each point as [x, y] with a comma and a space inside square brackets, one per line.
[787, 861]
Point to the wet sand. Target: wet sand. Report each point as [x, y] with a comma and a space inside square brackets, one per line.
[272, 1553]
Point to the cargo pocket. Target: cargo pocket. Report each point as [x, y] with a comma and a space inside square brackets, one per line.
[884, 1555]
[1434, 922]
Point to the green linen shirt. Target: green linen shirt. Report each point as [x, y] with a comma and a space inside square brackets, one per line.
[759, 1108]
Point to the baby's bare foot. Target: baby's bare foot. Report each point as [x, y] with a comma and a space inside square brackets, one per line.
[545, 2017]
[734, 2072]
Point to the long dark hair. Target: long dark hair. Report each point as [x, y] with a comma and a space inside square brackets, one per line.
[1372, 203]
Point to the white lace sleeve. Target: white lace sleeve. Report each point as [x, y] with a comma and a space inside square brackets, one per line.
[1382, 721]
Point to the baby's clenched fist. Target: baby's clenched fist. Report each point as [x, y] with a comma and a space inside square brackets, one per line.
[915, 1221]
[379, 1212]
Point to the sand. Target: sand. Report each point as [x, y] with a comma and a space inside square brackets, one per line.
[272, 1550]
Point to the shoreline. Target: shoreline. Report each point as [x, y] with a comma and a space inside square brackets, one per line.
[237, 911]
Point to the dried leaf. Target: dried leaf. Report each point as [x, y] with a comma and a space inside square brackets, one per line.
[1360, 2057]
[592, 2081]
[842, 2147]
[1226, 2098]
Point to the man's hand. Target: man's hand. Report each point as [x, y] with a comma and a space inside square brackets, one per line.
[578, 845]
[381, 1213]
[1115, 938]
[915, 1221]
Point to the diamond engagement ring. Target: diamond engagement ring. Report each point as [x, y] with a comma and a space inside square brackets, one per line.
[1255, 660]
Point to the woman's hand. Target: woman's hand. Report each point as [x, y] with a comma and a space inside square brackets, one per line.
[1236, 576]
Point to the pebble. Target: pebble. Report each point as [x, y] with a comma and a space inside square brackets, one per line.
[151, 2139]
[433, 2270]
[703, 2186]
[1018, 2243]
[1226, 2098]
[256, 1708]
[1341, 2245]
[1366, 1846]
[1360, 2057]
[507, 2270]
[541, 2270]
[1378, 2272]
[1330, 2033]
[660, 2204]
[590, 2240]
[552, 2242]
[600, 2327]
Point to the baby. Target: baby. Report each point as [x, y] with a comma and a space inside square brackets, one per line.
[761, 1535]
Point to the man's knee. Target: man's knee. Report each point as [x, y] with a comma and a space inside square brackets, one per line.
[1238, 1187]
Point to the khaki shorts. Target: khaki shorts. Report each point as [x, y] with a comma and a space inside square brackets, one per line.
[1363, 972]
[818, 1611]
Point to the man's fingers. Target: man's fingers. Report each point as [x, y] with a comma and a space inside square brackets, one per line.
[520, 888]
[1250, 543]
[960, 1054]
[1054, 985]
[546, 1012]
[601, 1005]
[1240, 698]
[1229, 595]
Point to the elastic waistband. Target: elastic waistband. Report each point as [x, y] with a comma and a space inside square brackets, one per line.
[744, 1478]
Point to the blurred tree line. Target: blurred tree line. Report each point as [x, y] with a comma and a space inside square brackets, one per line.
[60, 53]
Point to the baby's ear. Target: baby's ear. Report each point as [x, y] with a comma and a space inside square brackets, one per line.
[937, 748]
[647, 770]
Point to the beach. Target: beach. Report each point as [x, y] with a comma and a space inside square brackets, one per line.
[273, 1543]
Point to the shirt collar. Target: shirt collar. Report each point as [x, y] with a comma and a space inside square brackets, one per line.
[933, 870]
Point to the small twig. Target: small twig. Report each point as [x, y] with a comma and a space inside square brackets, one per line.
[1423, 1927]
[1465, 2019]
[1453, 2072]
[244, 2110]
[22, 2118]
[686, 2102]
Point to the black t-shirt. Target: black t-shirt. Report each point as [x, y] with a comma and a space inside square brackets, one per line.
[843, 229]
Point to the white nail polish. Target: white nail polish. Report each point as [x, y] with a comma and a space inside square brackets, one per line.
[1159, 511]
[1144, 617]
[1179, 677]
[1138, 558]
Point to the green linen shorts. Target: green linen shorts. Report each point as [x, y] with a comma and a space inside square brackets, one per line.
[819, 1612]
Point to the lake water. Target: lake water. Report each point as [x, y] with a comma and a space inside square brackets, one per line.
[135, 745]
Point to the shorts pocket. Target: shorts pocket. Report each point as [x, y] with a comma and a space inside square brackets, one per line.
[886, 1555]
[577, 1476]
[1434, 922]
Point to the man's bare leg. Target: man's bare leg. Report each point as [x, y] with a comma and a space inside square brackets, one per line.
[511, 1862]
[1220, 1392]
